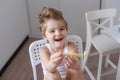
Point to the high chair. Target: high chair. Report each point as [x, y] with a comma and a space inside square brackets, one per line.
[96, 21]
[36, 45]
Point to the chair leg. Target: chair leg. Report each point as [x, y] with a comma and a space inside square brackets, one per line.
[112, 64]
[99, 67]
[118, 70]
[107, 59]
[89, 73]
[87, 51]
[34, 73]
[84, 62]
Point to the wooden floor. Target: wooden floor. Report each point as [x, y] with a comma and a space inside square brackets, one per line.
[20, 68]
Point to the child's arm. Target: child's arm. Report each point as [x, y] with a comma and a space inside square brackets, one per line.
[50, 61]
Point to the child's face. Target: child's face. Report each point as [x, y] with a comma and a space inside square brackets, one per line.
[55, 33]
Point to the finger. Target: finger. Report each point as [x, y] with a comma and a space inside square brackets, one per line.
[66, 66]
[56, 56]
[59, 54]
[73, 59]
[57, 59]
[69, 59]
[68, 62]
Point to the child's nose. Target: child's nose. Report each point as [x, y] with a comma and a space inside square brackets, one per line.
[58, 32]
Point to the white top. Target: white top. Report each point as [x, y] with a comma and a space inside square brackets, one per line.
[61, 67]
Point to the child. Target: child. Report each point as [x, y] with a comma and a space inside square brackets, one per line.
[57, 66]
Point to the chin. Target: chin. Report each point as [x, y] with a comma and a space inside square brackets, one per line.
[59, 44]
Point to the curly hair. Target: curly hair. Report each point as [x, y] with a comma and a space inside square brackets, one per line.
[47, 14]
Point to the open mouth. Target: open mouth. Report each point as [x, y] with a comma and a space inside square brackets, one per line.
[58, 39]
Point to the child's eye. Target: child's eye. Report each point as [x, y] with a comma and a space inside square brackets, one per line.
[62, 29]
[52, 31]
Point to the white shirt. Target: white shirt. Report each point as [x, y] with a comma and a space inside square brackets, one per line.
[61, 67]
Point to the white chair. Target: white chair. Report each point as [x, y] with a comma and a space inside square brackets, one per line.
[102, 43]
[34, 51]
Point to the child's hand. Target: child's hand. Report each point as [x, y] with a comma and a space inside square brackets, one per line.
[72, 62]
[56, 58]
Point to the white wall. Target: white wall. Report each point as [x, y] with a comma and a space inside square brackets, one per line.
[13, 27]
[35, 6]
[73, 11]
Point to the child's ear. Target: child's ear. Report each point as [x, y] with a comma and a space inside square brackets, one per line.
[44, 37]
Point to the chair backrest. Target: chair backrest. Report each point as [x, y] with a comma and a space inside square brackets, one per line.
[34, 51]
[95, 21]
[99, 19]
[36, 45]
